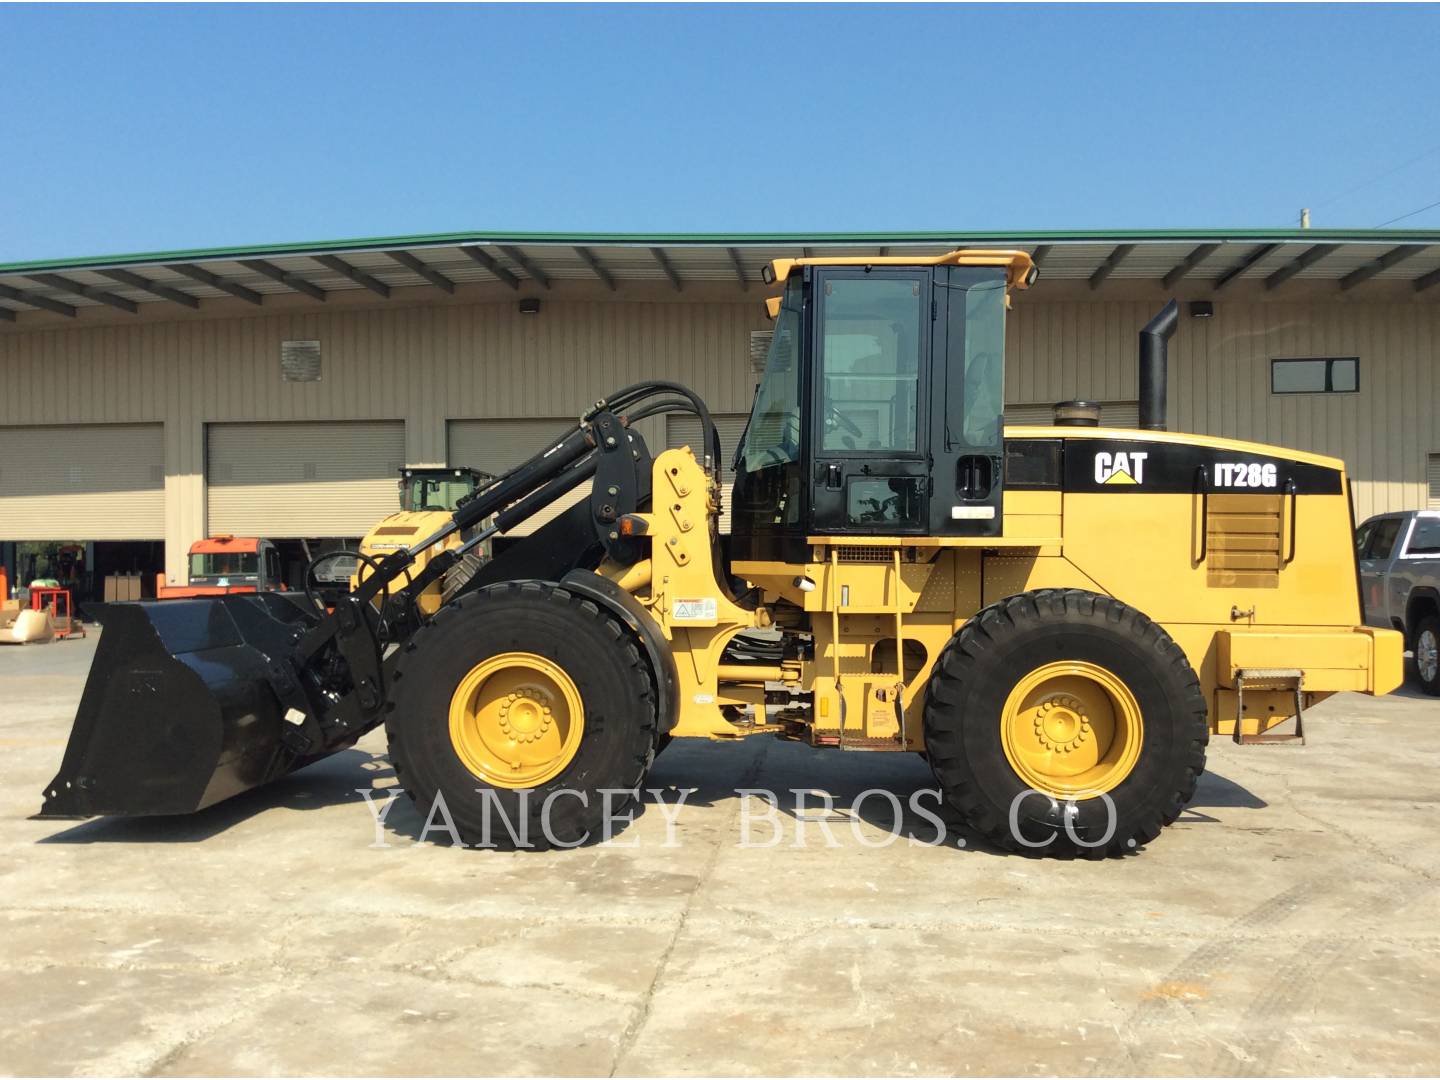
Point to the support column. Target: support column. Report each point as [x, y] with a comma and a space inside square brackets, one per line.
[7, 559]
[184, 495]
[425, 440]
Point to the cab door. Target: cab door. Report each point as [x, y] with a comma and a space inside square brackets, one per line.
[869, 420]
[968, 393]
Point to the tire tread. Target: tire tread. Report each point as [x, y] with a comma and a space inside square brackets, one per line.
[640, 735]
[982, 636]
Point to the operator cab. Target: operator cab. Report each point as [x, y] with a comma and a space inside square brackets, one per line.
[881, 406]
[439, 489]
[234, 562]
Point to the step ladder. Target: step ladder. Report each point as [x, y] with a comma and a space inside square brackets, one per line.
[1272, 679]
[838, 599]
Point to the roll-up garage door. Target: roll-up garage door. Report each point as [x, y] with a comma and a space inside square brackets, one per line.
[82, 482]
[303, 479]
[1125, 414]
[498, 445]
[683, 429]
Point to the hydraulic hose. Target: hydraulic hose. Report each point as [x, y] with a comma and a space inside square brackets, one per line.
[639, 391]
[667, 405]
[548, 475]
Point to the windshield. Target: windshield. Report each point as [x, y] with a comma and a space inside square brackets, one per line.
[773, 435]
[336, 566]
[433, 493]
[226, 564]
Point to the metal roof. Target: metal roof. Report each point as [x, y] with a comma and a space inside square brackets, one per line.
[1217, 258]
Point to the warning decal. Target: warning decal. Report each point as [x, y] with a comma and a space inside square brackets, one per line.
[700, 609]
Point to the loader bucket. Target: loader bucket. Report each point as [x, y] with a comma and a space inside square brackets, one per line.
[184, 706]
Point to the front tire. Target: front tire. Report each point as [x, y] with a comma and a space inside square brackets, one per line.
[527, 701]
[1064, 722]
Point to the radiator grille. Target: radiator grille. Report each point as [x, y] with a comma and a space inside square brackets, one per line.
[863, 553]
[1242, 541]
[857, 553]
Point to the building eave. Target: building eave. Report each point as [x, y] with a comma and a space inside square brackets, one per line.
[187, 282]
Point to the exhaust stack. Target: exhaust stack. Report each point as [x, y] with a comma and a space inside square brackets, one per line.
[1153, 364]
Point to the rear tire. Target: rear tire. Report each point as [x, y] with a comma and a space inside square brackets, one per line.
[1427, 654]
[1063, 666]
[579, 655]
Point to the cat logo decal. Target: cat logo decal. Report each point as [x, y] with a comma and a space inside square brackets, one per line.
[1121, 467]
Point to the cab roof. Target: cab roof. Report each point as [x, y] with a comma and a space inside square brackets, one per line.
[1020, 271]
[220, 545]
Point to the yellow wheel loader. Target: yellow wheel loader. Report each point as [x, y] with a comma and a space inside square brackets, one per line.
[1058, 617]
[428, 496]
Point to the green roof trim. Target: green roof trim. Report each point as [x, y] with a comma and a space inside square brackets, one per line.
[1292, 235]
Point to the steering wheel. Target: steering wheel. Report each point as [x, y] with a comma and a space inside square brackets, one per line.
[312, 581]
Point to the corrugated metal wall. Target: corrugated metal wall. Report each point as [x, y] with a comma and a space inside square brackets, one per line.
[424, 364]
[428, 363]
[1112, 413]
[1220, 378]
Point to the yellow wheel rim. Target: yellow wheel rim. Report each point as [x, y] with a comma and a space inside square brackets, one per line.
[1071, 729]
[516, 720]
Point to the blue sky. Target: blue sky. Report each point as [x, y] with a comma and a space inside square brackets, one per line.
[142, 128]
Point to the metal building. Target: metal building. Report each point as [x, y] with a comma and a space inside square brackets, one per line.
[149, 400]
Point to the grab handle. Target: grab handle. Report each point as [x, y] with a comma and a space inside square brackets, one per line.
[1294, 519]
[1202, 481]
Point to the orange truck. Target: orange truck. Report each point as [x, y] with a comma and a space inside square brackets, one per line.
[228, 564]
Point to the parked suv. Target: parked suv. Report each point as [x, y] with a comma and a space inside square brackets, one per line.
[1399, 558]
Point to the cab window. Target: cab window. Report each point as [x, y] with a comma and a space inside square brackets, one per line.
[434, 493]
[870, 359]
[773, 435]
[984, 379]
[224, 564]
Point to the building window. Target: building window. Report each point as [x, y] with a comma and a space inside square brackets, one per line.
[1432, 482]
[1321, 375]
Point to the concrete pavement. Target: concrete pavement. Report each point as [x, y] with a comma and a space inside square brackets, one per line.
[1286, 925]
